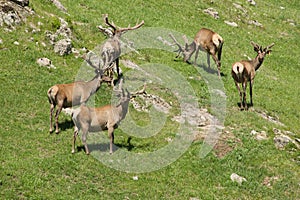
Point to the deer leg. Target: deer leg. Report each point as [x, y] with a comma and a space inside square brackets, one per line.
[83, 138]
[76, 130]
[56, 118]
[52, 106]
[251, 85]
[196, 55]
[239, 90]
[208, 59]
[218, 63]
[111, 137]
[244, 95]
[178, 54]
[119, 72]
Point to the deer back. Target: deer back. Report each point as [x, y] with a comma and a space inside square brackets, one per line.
[206, 37]
[61, 94]
[243, 71]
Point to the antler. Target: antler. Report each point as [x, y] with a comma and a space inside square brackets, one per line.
[180, 48]
[120, 30]
[270, 46]
[112, 25]
[132, 28]
[142, 91]
[186, 41]
[256, 46]
[88, 58]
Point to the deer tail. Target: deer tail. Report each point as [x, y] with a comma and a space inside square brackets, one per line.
[238, 68]
[218, 41]
[52, 92]
[220, 49]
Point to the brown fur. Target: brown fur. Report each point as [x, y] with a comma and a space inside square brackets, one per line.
[205, 40]
[98, 119]
[111, 49]
[244, 71]
[72, 94]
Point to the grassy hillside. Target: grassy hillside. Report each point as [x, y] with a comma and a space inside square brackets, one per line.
[39, 165]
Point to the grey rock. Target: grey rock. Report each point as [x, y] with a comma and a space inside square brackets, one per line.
[281, 141]
[45, 62]
[63, 47]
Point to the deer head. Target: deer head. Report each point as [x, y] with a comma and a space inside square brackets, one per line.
[261, 53]
[187, 50]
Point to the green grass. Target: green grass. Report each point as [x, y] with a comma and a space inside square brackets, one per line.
[37, 165]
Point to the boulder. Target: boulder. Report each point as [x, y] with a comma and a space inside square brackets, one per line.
[63, 47]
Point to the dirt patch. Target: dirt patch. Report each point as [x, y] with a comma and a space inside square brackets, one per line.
[226, 142]
[206, 127]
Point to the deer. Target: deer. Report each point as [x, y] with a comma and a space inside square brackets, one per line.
[73, 94]
[205, 40]
[244, 71]
[111, 49]
[87, 119]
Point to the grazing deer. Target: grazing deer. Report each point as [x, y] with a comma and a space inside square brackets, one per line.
[244, 71]
[205, 40]
[106, 117]
[72, 94]
[111, 49]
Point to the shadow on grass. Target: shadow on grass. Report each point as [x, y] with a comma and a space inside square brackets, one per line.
[67, 124]
[243, 109]
[209, 70]
[104, 147]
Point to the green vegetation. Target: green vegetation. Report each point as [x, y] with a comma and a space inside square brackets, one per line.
[39, 165]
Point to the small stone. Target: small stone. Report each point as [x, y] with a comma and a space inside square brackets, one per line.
[45, 62]
[261, 136]
[252, 2]
[16, 43]
[212, 12]
[233, 24]
[255, 23]
[236, 178]
[281, 141]
[276, 131]
[253, 132]
[135, 178]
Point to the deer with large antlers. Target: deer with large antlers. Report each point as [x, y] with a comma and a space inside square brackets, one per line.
[73, 94]
[205, 40]
[244, 71]
[102, 118]
[111, 49]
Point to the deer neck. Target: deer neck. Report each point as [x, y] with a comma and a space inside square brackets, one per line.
[122, 109]
[191, 48]
[257, 62]
[94, 84]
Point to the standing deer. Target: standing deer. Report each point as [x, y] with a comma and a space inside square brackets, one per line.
[106, 117]
[205, 40]
[111, 49]
[244, 71]
[73, 94]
